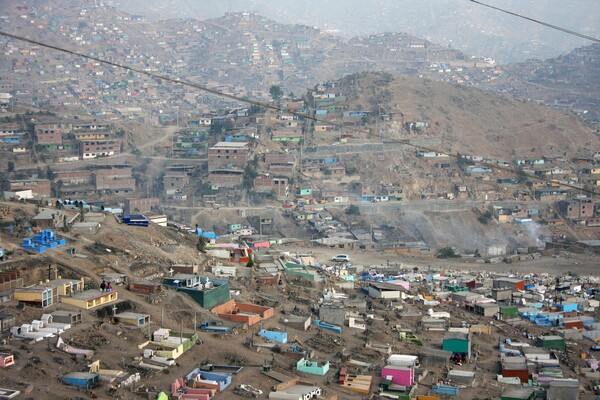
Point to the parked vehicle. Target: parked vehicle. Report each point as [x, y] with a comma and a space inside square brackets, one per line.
[341, 258]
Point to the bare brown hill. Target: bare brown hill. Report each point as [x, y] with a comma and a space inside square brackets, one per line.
[469, 120]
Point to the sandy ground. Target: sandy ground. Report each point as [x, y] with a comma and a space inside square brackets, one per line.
[138, 252]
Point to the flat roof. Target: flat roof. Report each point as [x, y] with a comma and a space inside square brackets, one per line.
[65, 312]
[86, 224]
[550, 337]
[487, 305]
[436, 353]
[398, 367]
[535, 350]
[518, 363]
[131, 315]
[456, 372]
[564, 383]
[183, 276]
[80, 375]
[89, 294]
[46, 214]
[456, 335]
[34, 288]
[230, 145]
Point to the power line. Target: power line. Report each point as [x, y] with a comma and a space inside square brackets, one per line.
[537, 21]
[259, 104]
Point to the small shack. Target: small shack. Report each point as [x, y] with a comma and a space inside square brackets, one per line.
[552, 342]
[561, 389]
[457, 342]
[132, 319]
[145, 287]
[81, 379]
[7, 321]
[435, 358]
[67, 317]
[518, 394]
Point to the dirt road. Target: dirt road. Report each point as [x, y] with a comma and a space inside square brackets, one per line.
[575, 263]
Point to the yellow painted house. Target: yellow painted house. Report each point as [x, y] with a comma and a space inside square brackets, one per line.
[91, 299]
[36, 295]
[67, 287]
[164, 345]
[504, 218]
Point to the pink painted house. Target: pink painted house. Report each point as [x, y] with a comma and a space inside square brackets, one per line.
[6, 360]
[399, 375]
[180, 391]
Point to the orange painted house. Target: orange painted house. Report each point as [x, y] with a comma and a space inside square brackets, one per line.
[573, 324]
[243, 313]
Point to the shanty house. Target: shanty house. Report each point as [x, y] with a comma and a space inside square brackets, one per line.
[182, 281]
[133, 319]
[81, 379]
[7, 321]
[457, 342]
[515, 367]
[379, 290]
[36, 295]
[67, 317]
[91, 298]
[552, 342]
[486, 309]
[561, 389]
[404, 376]
[312, 367]
[66, 287]
[243, 313]
[518, 394]
[513, 284]
[210, 293]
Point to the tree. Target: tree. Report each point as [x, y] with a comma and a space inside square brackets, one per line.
[446, 252]
[485, 217]
[255, 109]
[275, 92]
[353, 210]
[201, 244]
